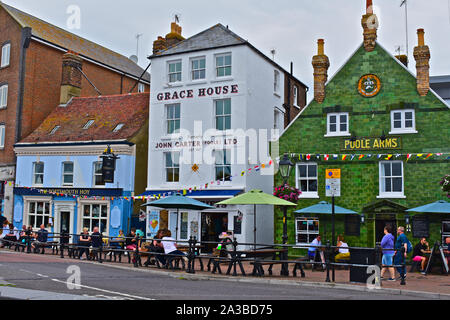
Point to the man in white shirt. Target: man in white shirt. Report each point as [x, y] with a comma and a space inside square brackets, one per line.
[313, 248]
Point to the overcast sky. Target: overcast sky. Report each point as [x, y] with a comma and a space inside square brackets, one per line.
[292, 27]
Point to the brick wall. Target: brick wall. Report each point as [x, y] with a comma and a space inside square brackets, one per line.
[301, 98]
[368, 118]
[10, 31]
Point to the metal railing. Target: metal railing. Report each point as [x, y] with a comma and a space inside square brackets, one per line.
[234, 257]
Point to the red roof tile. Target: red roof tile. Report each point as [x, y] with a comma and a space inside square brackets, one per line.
[132, 110]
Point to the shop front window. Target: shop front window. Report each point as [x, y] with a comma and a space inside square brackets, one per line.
[38, 214]
[95, 215]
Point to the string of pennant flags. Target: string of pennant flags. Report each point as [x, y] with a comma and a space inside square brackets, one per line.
[256, 169]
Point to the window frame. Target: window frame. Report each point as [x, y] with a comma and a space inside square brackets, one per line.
[174, 120]
[46, 204]
[88, 124]
[381, 177]
[276, 81]
[4, 96]
[223, 116]
[338, 132]
[226, 159]
[403, 129]
[175, 167]
[295, 95]
[64, 173]
[307, 194]
[91, 217]
[2, 135]
[141, 87]
[176, 72]
[307, 232]
[95, 174]
[191, 63]
[224, 66]
[38, 173]
[3, 63]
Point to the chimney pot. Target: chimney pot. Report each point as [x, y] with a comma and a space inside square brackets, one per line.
[369, 23]
[421, 36]
[320, 47]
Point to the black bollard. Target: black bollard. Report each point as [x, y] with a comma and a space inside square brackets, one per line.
[402, 274]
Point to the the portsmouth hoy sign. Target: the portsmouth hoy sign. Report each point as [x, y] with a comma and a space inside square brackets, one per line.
[198, 93]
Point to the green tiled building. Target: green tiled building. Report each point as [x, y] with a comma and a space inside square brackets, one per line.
[389, 135]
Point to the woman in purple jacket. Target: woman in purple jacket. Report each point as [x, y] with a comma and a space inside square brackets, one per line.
[388, 243]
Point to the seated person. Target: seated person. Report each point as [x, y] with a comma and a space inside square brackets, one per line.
[447, 249]
[419, 253]
[344, 253]
[313, 249]
[84, 241]
[11, 235]
[225, 245]
[157, 247]
[41, 238]
[131, 240]
[169, 244]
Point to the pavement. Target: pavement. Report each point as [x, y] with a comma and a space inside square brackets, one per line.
[47, 274]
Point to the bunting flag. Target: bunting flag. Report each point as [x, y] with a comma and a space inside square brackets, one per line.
[326, 157]
[389, 157]
[344, 157]
[408, 156]
[360, 157]
[429, 155]
[308, 157]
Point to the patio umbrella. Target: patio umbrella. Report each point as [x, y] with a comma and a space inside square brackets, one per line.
[178, 201]
[255, 197]
[324, 207]
[440, 206]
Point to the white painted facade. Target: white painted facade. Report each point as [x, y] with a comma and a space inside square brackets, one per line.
[253, 103]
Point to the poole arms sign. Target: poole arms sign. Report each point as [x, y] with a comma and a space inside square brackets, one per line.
[391, 143]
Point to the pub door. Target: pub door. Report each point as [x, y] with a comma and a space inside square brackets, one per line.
[212, 225]
[380, 222]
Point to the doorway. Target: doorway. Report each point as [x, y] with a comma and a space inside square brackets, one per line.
[381, 222]
[213, 224]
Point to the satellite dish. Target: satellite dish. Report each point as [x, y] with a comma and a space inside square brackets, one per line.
[134, 58]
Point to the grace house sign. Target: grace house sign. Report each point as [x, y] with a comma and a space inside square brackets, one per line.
[391, 143]
[198, 93]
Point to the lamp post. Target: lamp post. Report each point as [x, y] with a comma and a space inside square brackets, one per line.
[285, 166]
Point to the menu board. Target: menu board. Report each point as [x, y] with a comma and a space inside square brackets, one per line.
[237, 223]
[420, 227]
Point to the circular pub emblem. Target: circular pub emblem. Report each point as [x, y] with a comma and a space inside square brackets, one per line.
[369, 85]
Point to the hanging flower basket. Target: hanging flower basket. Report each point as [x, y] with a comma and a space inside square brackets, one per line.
[287, 193]
[445, 184]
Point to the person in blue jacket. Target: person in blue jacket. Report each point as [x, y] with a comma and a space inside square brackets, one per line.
[387, 244]
[399, 258]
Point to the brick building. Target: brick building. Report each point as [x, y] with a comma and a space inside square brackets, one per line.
[386, 130]
[31, 66]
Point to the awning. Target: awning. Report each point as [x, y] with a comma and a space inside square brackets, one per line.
[214, 194]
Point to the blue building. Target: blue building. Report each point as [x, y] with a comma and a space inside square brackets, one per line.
[59, 181]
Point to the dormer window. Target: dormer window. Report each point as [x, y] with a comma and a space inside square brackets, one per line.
[88, 124]
[118, 127]
[54, 130]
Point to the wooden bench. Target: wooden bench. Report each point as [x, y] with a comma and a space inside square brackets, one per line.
[259, 271]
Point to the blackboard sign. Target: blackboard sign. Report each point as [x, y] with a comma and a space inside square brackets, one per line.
[237, 225]
[420, 227]
[437, 254]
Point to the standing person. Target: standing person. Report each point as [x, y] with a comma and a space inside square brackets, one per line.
[96, 242]
[84, 242]
[419, 252]
[387, 244]
[447, 250]
[399, 258]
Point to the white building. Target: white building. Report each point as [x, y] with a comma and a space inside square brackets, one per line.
[204, 89]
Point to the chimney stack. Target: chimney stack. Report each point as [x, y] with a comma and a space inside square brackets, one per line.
[422, 56]
[321, 64]
[369, 23]
[71, 77]
[170, 40]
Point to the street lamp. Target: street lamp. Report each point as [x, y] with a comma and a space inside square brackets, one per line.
[285, 166]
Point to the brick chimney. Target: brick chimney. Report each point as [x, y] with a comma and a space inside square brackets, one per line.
[369, 23]
[321, 64]
[422, 56]
[71, 77]
[171, 39]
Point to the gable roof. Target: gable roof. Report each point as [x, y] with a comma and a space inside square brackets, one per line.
[49, 33]
[132, 110]
[218, 36]
[330, 80]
